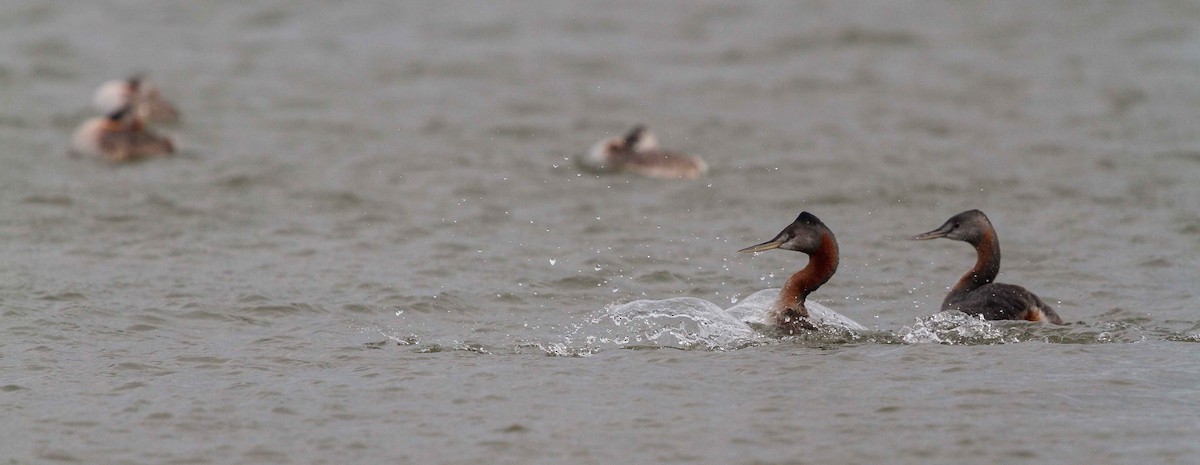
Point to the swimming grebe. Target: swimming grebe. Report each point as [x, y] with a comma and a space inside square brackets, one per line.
[120, 136]
[147, 101]
[976, 293]
[807, 234]
[638, 152]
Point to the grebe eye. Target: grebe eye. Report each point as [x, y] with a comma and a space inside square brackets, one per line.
[956, 225]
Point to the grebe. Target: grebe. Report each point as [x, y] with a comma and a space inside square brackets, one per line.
[638, 152]
[147, 101]
[120, 136]
[976, 293]
[790, 312]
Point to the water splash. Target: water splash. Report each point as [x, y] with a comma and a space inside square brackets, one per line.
[952, 328]
[690, 323]
[681, 323]
[962, 329]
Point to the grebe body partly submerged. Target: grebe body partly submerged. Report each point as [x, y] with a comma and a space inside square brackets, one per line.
[790, 312]
[145, 98]
[120, 136]
[977, 293]
[638, 152]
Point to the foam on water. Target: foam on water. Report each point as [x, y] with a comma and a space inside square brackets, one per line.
[691, 323]
[683, 322]
[952, 328]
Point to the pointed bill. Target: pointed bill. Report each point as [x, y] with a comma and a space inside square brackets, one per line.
[936, 233]
[771, 244]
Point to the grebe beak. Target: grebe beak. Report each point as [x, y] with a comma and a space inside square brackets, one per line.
[936, 233]
[771, 244]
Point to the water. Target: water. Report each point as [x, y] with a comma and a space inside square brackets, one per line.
[376, 247]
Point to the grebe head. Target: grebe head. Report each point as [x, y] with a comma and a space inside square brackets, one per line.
[114, 94]
[969, 226]
[640, 139]
[138, 91]
[803, 235]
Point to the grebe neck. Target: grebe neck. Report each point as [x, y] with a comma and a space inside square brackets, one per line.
[821, 265]
[987, 266]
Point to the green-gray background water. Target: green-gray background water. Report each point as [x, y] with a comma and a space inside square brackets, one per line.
[376, 248]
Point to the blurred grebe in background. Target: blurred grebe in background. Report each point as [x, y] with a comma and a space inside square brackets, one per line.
[976, 293]
[119, 136]
[638, 152]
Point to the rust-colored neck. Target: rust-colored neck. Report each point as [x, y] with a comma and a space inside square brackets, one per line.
[987, 266]
[821, 265]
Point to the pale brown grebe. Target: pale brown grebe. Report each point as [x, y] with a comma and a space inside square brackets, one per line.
[147, 101]
[976, 293]
[638, 152]
[807, 234]
[119, 136]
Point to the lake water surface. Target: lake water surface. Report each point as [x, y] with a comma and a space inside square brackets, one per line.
[375, 246]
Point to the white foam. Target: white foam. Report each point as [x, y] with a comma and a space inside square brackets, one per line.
[688, 322]
[952, 328]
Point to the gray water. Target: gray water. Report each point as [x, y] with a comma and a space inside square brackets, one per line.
[375, 246]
